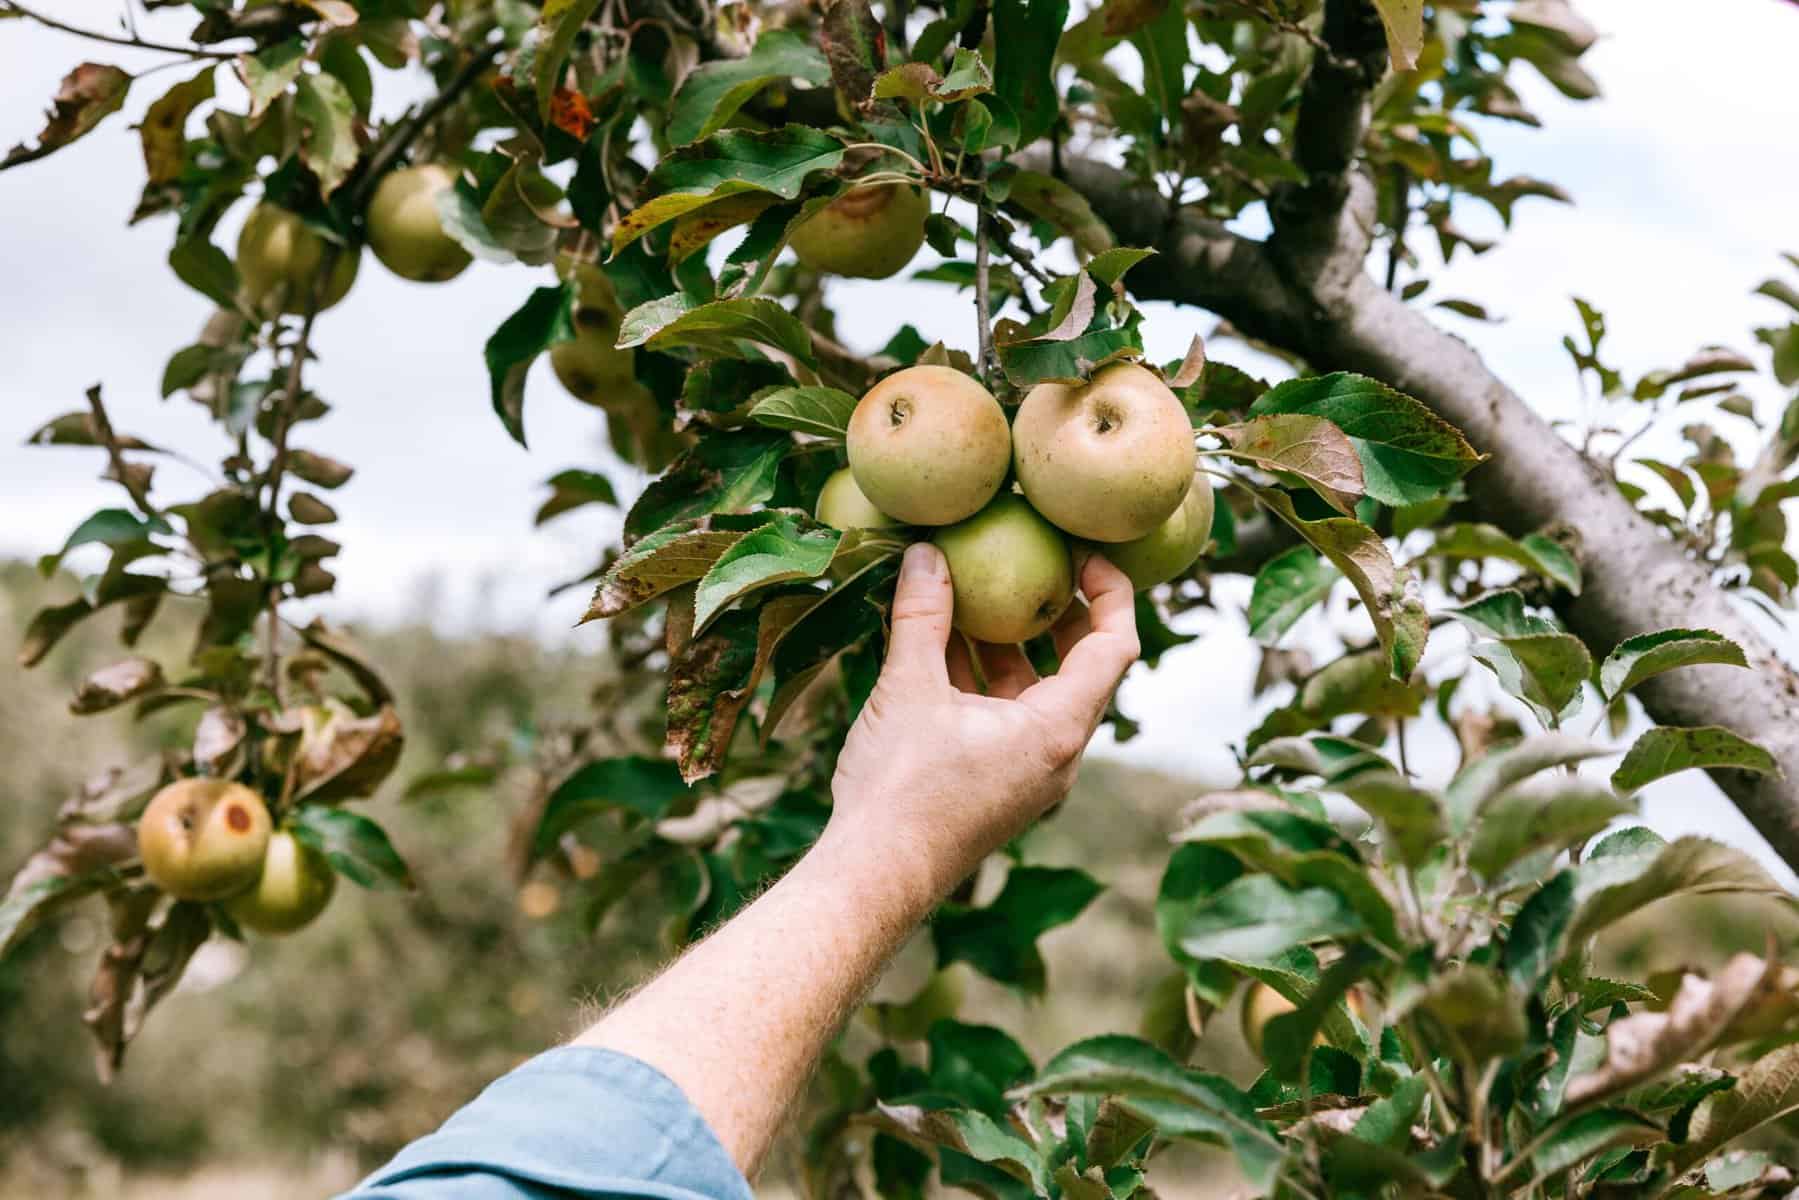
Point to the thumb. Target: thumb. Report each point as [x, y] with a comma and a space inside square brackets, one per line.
[922, 607]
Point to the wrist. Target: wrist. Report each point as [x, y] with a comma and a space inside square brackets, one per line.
[879, 867]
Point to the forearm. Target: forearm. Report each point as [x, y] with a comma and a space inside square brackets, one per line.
[742, 1018]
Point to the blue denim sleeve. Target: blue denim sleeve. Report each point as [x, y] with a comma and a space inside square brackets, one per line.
[576, 1122]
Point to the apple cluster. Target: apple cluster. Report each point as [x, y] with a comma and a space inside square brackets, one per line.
[1110, 462]
[211, 841]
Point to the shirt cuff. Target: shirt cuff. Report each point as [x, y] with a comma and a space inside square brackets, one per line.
[587, 1121]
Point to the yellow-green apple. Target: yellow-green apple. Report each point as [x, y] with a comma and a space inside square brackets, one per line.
[203, 839]
[841, 505]
[929, 445]
[1010, 570]
[867, 233]
[405, 231]
[279, 258]
[1171, 547]
[295, 886]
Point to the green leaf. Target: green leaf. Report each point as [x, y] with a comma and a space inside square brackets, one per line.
[1506, 765]
[1474, 1012]
[1404, 20]
[1665, 750]
[729, 162]
[976, 1064]
[1590, 1132]
[1030, 361]
[327, 117]
[1109, 266]
[24, 906]
[712, 94]
[356, 846]
[1535, 940]
[1308, 447]
[649, 787]
[848, 615]
[108, 527]
[1286, 588]
[163, 132]
[205, 268]
[1409, 454]
[724, 473]
[679, 552]
[1765, 1091]
[719, 327]
[1534, 659]
[1635, 659]
[87, 95]
[547, 317]
[1411, 817]
[1183, 1103]
[1025, 35]
[1535, 553]
[1389, 592]
[968, 76]
[574, 489]
[270, 71]
[971, 1133]
[1554, 816]
[1256, 919]
[1633, 868]
[1000, 939]
[856, 46]
[784, 550]
[1049, 199]
[557, 26]
[820, 411]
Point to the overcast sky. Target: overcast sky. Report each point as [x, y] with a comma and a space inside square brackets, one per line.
[1684, 178]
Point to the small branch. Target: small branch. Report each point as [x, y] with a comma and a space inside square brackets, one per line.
[408, 130]
[104, 433]
[117, 40]
[984, 313]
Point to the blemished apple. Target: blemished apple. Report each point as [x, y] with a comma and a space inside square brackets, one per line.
[866, 233]
[279, 258]
[203, 839]
[295, 886]
[404, 228]
[1010, 570]
[1107, 460]
[590, 365]
[841, 505]
[1166, 551]
[929, 445]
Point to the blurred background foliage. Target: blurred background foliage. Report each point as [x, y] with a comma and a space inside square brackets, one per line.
[286, 1068]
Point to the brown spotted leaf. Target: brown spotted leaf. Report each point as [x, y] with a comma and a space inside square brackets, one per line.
[220, 732]
[342, 755]
[113, 685]
[88, 94]
[657, 563]
[1765, 1091]
[164, 129]
[710, 680]
[1310, 447]
[856, 47]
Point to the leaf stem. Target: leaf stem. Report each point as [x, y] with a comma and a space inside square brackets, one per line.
[884, 148]
[104, 432]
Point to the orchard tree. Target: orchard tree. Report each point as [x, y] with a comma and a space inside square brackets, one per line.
[1422, 950]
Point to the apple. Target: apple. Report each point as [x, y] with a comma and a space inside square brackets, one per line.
[404, 229]
[1010, 570]
[278, 259]
[841, 505]
[1261, 1004]
[203, 839]
[1107, 460]
[295, 886]
[590, 365]
[1171, 547]
[866, 233]
[929, 445]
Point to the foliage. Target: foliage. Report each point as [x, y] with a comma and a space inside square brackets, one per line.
[1442, 953]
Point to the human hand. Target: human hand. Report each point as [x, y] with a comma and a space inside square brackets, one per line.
[937, 774]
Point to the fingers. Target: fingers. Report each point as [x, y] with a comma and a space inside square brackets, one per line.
[1094, 661]
[922, 607]
[1008, 671]
[961, 667]
[1071, 628]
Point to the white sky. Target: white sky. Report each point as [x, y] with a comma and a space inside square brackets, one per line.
[1684, 197]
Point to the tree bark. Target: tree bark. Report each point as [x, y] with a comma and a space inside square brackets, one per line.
[1306, 290]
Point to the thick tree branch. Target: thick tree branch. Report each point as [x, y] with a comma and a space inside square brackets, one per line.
[1316, 300]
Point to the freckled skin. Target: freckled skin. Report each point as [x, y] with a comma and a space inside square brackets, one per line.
[1108, 460]
[1171, 547]
[929, 446]
[1010, 571]
[867, 233]
[203, 839]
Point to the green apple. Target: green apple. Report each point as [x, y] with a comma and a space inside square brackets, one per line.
[1107, 460]
[867, 233]
[295, 886]
[929, 445]
[279, 258]
[404, 229]
[203, 839]
[1171, 547]
[1010, 570]
[590, 365]
[841, 505]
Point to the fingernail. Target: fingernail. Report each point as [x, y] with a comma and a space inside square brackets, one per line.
[922, 558]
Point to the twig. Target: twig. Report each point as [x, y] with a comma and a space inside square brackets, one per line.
[989, 360]
[116, 40]
[104, 433]
[409, 129]
[1402, 217]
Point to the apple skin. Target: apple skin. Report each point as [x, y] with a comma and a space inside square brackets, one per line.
[841, 505]
[929, 446]
[278, 257]
[295, 886]
[405, 231]
[866, 233]
[203, 839]
[1261, 1004]
[589, 365]
[1171, 547]
[1107, 460]
[1010, 569]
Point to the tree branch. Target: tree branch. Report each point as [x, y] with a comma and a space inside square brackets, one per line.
[404, 135]
[1637, 581]
[116, 40]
